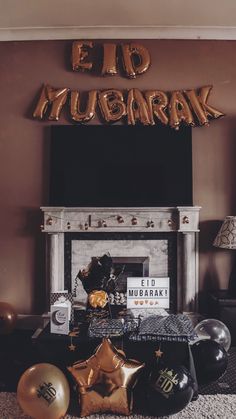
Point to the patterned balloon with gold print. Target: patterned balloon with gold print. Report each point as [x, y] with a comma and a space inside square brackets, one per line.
[43, 392]
[170, 389]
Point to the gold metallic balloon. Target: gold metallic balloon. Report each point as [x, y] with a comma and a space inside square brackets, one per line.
[109, 60]
[54, 97]
[179, 110]
[197, 107]
[89, 113]
[198, 100]
[8, 318]
[132, 51]
[137, 108]
[80, 55]
[105, 381]
[98, 298]
[43, 392]
[112, 106]
[157, 102]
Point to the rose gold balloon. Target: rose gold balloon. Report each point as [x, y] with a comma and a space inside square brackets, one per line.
[43, 392]
[8, 318]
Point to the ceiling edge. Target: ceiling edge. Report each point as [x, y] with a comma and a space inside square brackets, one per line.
[118, 32]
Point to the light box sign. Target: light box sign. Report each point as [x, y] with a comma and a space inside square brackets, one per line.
[148, 292]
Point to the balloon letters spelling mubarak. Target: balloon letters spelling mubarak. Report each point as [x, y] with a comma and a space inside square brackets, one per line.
[150, 107]
[190, 107]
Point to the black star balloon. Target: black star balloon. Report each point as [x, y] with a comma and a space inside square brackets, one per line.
[105, 381]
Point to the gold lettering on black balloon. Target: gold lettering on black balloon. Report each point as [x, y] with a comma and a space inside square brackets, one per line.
[166, 381]
[47, 392]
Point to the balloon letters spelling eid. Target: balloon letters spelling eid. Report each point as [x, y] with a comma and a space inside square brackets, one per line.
[135, 58]
[105, 381]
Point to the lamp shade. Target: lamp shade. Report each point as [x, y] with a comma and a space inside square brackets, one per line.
[226, 237]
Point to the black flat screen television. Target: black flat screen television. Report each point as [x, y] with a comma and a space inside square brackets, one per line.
[118, 165]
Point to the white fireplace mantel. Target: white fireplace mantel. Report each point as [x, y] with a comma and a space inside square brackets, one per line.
[184, 221]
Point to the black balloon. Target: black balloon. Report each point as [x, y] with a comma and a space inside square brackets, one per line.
[170, 389]
[210, 359]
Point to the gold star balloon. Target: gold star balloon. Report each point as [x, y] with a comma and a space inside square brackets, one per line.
[105, 381]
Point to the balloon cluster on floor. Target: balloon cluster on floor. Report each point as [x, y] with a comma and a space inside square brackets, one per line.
[210, 350]
[106, 380]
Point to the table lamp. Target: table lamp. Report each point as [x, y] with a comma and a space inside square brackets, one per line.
[226, 239]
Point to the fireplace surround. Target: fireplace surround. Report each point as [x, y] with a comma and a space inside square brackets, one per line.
[131, 232]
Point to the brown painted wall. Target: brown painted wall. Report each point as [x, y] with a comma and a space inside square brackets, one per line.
[24, 67]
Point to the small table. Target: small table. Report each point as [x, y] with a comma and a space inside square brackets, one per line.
[222, 306]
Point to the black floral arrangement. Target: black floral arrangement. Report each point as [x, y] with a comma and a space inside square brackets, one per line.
[99, 274]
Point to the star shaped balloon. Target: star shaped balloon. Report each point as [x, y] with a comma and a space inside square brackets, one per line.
[106, 380]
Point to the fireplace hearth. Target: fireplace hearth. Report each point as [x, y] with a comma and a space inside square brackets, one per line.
[155, 241]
